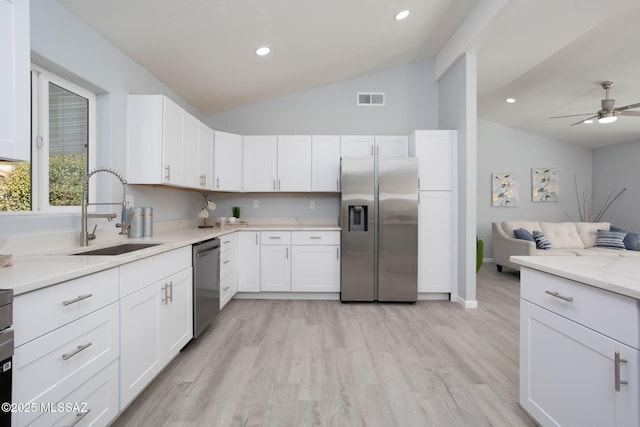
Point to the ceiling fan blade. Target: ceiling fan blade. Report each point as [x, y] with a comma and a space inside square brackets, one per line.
[630, 113]
[571, 115]
[626, 107]
[584, 120]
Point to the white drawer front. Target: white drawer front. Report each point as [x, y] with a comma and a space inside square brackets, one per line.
[275, 237]
[228, 242]
[38, 312]
[100, 394]
[138, 274]
[315, 237]
[227, 264]
[50, 367]
[602, 311]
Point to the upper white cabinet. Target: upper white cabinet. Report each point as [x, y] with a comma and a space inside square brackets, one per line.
[228, 161]
[294, 163]
[14, 80]
[325, 168]
[378, 146]
[436, 151]
[277, 163]
[156, 131]
[391, 145]
[198, 163]
[260, 162]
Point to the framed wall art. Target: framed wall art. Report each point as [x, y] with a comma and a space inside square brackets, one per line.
[544, 185]
[504, 190]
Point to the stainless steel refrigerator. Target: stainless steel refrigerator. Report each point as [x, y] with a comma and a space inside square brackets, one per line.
[379, 221]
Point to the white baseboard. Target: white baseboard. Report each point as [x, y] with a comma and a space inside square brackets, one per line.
[467, 304]
[329, 296]
[434, 296]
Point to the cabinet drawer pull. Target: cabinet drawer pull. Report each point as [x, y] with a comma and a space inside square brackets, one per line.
[78, 349]
[275, 237]
[227, 261]
[226, 242]
[227, 288]
[315, 237]
[557, 295]
[617, 361]
[79, 417]
[76, 299]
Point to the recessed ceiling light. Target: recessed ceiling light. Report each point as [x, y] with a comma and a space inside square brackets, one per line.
[401, 15]
[588, 121]
[510, 100]
[263, 51]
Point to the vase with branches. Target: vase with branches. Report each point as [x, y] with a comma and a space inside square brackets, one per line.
[585, 208]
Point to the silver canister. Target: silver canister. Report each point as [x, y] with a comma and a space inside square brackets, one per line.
[136, 216]
[147, 222]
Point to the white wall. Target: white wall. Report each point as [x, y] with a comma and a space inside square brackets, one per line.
[411, 99]
[614, 168]
[65, 45]
[506, 150]
[458, 100]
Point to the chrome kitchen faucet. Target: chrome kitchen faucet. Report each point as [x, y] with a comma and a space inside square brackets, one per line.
[124, 224]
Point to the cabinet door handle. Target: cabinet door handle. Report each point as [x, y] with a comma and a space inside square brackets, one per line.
[76, 299]
[256, 239]
[372, 151]
[617, 361]
[337, 253]
[337, 184]
[79, 417]
[377, 150]
[557, 295]
[165, 300]
[168, 174]
[171, 291]
[287, 252]
[218, 182]
[274, 185]
[78, 349]
[278, 183]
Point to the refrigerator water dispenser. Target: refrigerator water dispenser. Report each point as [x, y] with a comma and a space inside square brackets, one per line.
[358, 218]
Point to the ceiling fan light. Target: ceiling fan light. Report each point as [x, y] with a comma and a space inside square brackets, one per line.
[607, 118]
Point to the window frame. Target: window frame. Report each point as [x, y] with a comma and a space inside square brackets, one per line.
[40, 79]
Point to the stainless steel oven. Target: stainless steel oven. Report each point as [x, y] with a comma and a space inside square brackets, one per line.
[6, 353]
[206, 284]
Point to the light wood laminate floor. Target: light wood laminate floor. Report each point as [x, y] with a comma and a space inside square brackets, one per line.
[324, 363]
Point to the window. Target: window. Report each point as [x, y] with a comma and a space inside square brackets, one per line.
[63, 139]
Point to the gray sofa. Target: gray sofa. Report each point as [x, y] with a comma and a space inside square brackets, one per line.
[566, 238]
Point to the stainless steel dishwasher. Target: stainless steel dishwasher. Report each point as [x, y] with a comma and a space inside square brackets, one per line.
[206, 284]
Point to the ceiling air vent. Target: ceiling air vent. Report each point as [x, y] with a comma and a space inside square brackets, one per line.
[371, 98]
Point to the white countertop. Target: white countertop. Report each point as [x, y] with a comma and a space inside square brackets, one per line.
[32, 272]
[620, 275]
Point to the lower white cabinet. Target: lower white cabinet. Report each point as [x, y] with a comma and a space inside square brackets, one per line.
[435, 242]
[228, 268]
[275, 268]
[572, 375]
[156, 322]
[315, 269]
[248, 261]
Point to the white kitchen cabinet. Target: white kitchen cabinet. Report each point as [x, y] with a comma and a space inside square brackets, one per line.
[357, 145]
[228, 161]
[436, 153]
[391, 145]
[199, 154]
[15, 99]
[156, 317]
[156, 322]
[571, 374]
[248, 261]
[156, 131]
[228, 267]
[294, 163]
[315, 268]
[275, 261]
[260, 163]
[435, 242]
[325, 168]
[378, 145]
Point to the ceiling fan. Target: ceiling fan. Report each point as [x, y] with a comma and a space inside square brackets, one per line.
[608, 113]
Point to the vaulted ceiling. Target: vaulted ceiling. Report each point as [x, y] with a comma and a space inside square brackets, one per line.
[550, 55]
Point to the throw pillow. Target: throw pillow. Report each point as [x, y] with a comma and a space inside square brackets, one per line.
[541, 240]
[631, 238]
[610, 239]
[523, 234]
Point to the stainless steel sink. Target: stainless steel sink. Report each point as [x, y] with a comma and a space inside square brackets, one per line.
[118, 249]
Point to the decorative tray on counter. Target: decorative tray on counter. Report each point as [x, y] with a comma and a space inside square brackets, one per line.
[234, 224]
